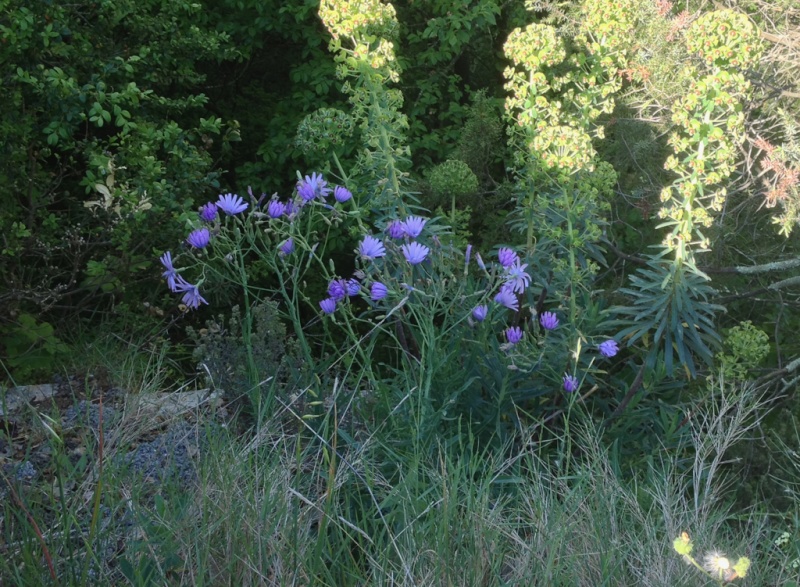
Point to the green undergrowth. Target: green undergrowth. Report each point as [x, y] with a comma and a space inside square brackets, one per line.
[344, 502]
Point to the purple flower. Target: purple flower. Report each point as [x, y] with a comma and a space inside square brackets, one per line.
[467, 255]
[516, 277]
[353, 287]
[191, 293]
[342, 194]
[276, 209]
[313, 186]
[291, 210]
[506, 297]
[570, 383]
[514, 334]
[231, 204]
[507, 257]
[170, 273]
[199, 238]
[378, 291]
[328, 305]
[479, 261]
[208, 212]
[395, 229]
[371, 248]
[548, 320]
[413, 225]
[287, 248]
[479, 313]
[337, 289]
[415, 253]
[608, 348]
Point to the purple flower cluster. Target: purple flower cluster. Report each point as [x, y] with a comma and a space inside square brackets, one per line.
[514, 334]
[415, 253]
[191, 293]
[516, 276]
[608, 348]
[276, 209]
[313, 187]
[208, 213]
[378, 291]
[570, 383]
[231, 204]
[286, 248]
[338, 290]
[507, 257]
[395, 229]
[548, 320]
[413, 225]
[506, 297]
[342, 194]
[199, 238]
[371, 248]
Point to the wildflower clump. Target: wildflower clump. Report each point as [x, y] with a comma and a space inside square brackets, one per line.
[404, 272]
[715, 565]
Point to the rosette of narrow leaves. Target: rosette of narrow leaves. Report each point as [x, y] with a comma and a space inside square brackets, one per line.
[670, 314]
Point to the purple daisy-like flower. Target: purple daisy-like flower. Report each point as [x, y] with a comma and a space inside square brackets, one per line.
[514, 334]
[191, 293]
[276, 209]
[507, 257]
[480, 312]
[548, 320]
[311, 187]
[371, 248]
[328, 305]
[171, 274]
[570, 383]
[208, 212]
[199, 238]
[291, 210]
[506, 297]
[413, 225]
[231, 204]
[395, 229]
[353, 287]
[378, 291]
[415, 253]
[337, 289]
[608, 348]
[287, 248]
[516, 277]
[342, 194]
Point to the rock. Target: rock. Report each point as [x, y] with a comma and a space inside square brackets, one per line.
[16, 397]
[170, 456]
[88, 414]
[169, 405]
